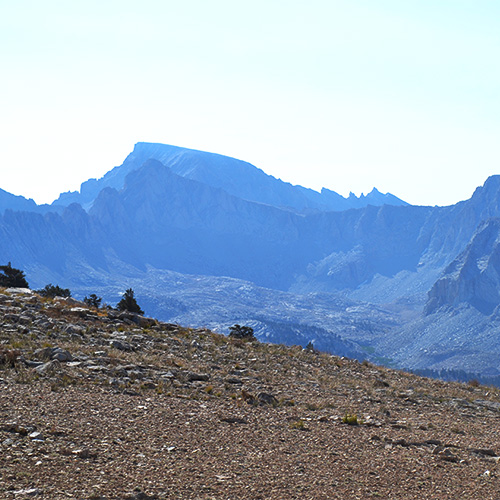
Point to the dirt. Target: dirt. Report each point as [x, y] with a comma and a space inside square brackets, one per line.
[177, 413]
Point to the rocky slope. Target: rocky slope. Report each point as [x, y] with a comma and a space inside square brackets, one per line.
[100, 405]
[332, 322]
[461, 319]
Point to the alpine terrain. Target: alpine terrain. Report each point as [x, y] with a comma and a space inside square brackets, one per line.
[210, 241]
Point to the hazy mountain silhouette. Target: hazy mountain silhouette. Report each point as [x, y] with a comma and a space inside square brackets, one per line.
[236, 177]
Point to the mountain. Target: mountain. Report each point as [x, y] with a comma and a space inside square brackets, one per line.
[461, 319]
[474, 276]
[208, 240]
[12, 202]
[192, 227]
[236, 177]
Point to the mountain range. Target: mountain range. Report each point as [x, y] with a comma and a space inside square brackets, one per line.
[208, 240]
[236, 177]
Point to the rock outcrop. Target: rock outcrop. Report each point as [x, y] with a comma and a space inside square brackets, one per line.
[474, 276]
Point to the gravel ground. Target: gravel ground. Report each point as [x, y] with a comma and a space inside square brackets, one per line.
[175, 413]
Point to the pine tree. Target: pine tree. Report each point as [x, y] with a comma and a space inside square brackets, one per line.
[12, 277]
[52, 291]
[93, 300]
[128, 303]
[241, 332]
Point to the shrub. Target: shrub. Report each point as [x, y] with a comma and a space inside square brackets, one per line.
[310, 347]
[241, 332]
[52, 291]
[351, 419]
[299, 425]
[128, 303]
[12, 277]
[93, 300]
[8, 357]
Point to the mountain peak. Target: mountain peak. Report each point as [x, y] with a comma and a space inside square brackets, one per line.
[236, 177]
[490, 188]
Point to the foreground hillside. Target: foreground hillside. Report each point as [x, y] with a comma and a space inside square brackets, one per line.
[98, 404]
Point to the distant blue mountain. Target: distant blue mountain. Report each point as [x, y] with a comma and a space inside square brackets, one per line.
[236, 177]
[13, 202]
[10, 201]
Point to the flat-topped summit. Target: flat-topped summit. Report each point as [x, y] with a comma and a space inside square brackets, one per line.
[236, 177]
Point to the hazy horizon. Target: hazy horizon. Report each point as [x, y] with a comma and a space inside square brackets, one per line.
[345, 195]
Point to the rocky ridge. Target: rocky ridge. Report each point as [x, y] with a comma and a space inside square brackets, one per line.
[97, 404]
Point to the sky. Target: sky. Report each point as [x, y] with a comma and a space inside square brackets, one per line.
[343, 94]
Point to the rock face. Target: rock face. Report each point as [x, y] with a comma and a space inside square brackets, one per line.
[474, 276]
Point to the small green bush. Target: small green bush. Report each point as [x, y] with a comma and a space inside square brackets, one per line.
[351, 419]
[299, 425]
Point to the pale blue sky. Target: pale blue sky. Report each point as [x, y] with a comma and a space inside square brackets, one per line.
[347, 94]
